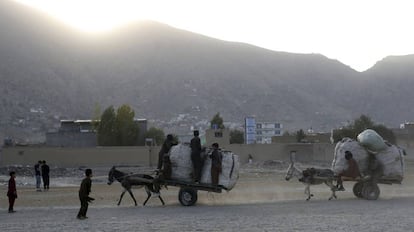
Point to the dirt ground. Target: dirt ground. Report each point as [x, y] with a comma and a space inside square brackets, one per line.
[261, 201]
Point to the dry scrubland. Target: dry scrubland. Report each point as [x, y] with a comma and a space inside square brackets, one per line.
[261, 201]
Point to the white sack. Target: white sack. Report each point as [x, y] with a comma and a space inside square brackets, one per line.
[371, 140]
[229, 170]
[392, 160]
[182, 166]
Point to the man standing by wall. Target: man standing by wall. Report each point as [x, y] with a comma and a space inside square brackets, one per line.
[45, 175]
[37, 175]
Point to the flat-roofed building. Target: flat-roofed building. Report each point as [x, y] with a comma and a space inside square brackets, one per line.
[81, 133]
[220, 136]
[261, 132]
[266, 130]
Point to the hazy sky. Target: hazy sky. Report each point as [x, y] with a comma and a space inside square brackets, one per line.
[356, 32]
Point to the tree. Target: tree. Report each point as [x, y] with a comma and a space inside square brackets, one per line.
[126, 129]
[360, 124]
[117, 128]
[96, 117]
[106, 128]
[300, 135]
[386, 134]
[218, 121]
[236, 136]
[156, 134]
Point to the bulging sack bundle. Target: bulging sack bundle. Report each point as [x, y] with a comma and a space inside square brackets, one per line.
[391, 159]
[182, 166]
[229, 170]
[372, 141]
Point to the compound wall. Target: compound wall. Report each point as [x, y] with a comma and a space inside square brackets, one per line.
[148, 156]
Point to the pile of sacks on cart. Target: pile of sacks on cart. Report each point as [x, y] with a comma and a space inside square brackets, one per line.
[374, 156]
[182, 166]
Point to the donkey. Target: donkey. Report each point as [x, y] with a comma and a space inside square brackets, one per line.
[317, 176]
[127, 181]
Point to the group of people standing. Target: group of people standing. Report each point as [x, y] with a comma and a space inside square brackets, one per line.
[42, 170]
[42, 174]
[216, 160]
[196, 158]
[164, 165]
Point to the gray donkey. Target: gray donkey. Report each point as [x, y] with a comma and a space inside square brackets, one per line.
[311, 176]
[127, 181]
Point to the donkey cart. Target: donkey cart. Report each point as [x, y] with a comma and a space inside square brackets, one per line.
[182, 172]
[379, 162]
[181, 176]
[187, 195]
[382, 168]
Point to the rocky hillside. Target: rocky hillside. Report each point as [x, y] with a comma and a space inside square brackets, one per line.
[49, 71]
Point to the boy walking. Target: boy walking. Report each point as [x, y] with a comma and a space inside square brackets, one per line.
[85, 189]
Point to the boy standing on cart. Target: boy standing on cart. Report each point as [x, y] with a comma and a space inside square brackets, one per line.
[165, 148]
[195, 145]
[216, 158]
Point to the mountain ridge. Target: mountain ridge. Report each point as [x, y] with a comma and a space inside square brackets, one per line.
[163, 72]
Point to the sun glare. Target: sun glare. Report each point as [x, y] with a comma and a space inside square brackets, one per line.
[90, 15]
[358, 33]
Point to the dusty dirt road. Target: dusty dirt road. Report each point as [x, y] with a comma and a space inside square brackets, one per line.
[320, 215]
[261, 201]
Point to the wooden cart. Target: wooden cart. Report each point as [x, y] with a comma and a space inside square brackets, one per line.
[187, 195]
[367, 187]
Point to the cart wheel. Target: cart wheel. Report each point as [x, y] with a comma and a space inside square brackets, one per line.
[357, 189]
[370, 191]
[187, 196]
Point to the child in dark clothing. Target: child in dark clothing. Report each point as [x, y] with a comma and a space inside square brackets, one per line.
[85, 189]
[216, 159]
[45, 175]
[12, 193]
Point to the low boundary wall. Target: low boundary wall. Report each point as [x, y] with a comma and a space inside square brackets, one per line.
[148, 156]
